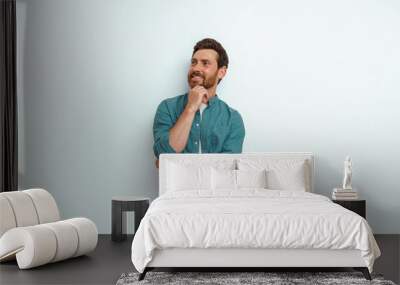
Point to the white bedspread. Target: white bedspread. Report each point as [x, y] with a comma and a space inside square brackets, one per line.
[250, 218]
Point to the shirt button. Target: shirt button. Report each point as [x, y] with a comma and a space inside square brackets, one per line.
[195, 142]
[197, 125]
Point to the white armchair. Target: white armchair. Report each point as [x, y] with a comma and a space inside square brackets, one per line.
[31, 230]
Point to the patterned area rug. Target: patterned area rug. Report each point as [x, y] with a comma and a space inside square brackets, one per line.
[269, 278]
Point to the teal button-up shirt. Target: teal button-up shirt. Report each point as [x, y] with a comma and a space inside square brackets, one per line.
[220, 128]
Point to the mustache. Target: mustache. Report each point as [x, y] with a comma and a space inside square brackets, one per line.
[196, 73]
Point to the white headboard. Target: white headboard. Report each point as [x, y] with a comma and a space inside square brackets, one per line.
[175, 157]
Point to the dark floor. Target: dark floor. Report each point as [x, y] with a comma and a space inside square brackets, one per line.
[103, 266]
[111, 259]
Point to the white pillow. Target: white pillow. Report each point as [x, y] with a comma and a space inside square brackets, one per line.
[282, 174]
[287, 179]
[188, 177]
[223, 179]
[236, 179]
[251, 178]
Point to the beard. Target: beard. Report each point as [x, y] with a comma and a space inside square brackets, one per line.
[206, 82]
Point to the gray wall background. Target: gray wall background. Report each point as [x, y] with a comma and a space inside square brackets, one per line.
[320, 76]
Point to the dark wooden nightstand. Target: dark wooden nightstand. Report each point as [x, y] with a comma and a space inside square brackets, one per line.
[357, 206]
[121, 204]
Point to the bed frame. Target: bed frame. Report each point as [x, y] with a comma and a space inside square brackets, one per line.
[244, 259]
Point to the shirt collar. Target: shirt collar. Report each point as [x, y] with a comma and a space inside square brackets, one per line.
[213, 100]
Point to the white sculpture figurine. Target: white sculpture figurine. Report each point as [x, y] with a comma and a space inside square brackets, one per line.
[347, 174]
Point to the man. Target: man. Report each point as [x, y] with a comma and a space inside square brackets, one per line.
[199, 121]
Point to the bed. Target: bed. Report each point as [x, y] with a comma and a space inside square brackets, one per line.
[248, 210]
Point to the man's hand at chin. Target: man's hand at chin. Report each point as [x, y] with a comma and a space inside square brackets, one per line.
[196, 96]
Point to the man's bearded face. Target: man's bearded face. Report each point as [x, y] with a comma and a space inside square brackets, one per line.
[204, 69]
[199, 78]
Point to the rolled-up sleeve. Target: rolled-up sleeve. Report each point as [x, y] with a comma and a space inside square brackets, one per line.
[234, 141]
[161, 126]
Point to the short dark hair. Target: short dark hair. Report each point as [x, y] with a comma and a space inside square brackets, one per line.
[208, 43]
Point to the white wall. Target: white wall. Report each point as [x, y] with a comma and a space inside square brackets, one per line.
[320, 76]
